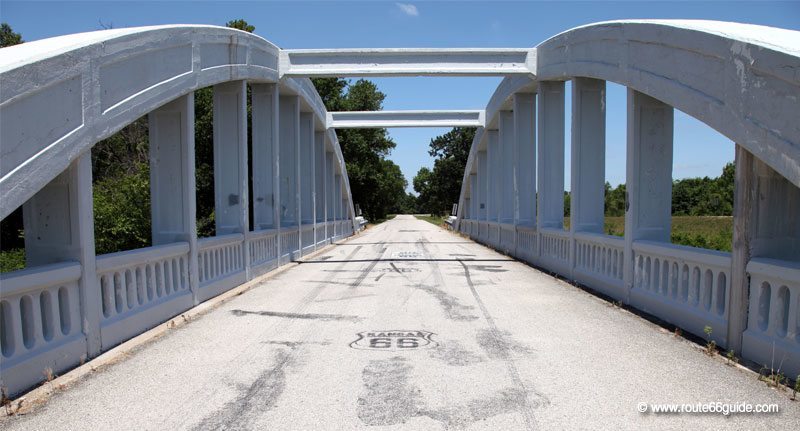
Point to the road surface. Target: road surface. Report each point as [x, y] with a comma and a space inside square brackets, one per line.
[408, 326]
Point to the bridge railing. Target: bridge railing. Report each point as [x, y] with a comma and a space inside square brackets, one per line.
[142, 288]
[685, 286]
[221, 264]
[772, 337]
[599, 262]
[263, 249]
[40, 323]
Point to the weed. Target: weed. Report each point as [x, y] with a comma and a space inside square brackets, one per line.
[796, 387]
[732, 359]
[773, 379]
[711, 345]
[678, 333]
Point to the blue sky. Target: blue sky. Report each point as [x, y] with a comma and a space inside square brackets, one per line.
[698, 149]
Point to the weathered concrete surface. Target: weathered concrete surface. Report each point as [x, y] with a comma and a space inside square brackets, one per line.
[516, 349]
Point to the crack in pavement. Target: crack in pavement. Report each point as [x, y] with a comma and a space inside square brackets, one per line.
[502, 352]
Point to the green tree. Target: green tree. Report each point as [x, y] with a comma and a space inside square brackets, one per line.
[240, 24]
[440, 188]
[8, 37]
[376, 184]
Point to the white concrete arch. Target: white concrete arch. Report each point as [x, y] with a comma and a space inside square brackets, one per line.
[62, 95]
[740, 79]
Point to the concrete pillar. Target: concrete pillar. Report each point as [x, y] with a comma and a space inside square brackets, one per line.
[230, 157]
[588, 155]
[483, 185]
[306, 155]
[474, 196]
[648, 174]
[172, 179]
[525, 158]
[319, 186]
[330, 206]
[265, 155]
[493, 174]
[59, 226]
[319, 177]
[337, 197]
[776, 224]
[508, 191]
[745, 196]
[551, 155]
[289, 143]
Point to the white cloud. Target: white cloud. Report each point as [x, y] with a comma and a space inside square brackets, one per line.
[408, 9]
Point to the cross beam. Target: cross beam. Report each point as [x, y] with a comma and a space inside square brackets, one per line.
[385, 119]
[407, 62]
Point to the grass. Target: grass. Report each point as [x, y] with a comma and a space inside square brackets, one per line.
[715, 233]
[436, 220]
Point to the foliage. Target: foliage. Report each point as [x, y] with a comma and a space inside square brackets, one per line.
[241, 24]
[440, 188]
[122, 211]
[690, 196]
[711, 232]
[12, 260]
[376, 183]
[8, 37]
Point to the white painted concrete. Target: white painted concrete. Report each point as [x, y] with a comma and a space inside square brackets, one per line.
[407, 62]
[515, 349]
[385, 119]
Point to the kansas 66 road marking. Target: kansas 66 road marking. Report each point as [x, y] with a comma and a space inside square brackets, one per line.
[394, 340]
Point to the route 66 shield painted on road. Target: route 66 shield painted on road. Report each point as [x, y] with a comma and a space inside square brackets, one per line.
[394, 340]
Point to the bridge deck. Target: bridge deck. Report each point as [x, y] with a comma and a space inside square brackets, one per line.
[513, 348]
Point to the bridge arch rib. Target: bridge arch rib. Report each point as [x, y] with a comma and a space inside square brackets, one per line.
[741, 80]
[94, 84]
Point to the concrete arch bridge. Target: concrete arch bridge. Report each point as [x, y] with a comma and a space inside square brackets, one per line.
[60, 96]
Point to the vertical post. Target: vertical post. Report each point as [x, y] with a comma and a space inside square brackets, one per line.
[648, 175]
[319, 186]
[306, 174]
[59, 226]
[475, 196]
[264, 154]
[289, 140]
[744, 202]
[483, 185]
[172, 179]
[329, 203]
[493, 174]
[337, 199]
[525, 158]
[588, 155]
[550, 205]
[231, 201]
[508, 190]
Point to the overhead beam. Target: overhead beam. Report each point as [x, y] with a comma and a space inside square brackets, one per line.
[407, 62]
[387, 119]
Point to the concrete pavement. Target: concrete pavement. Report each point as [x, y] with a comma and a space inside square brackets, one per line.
[408, 326]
